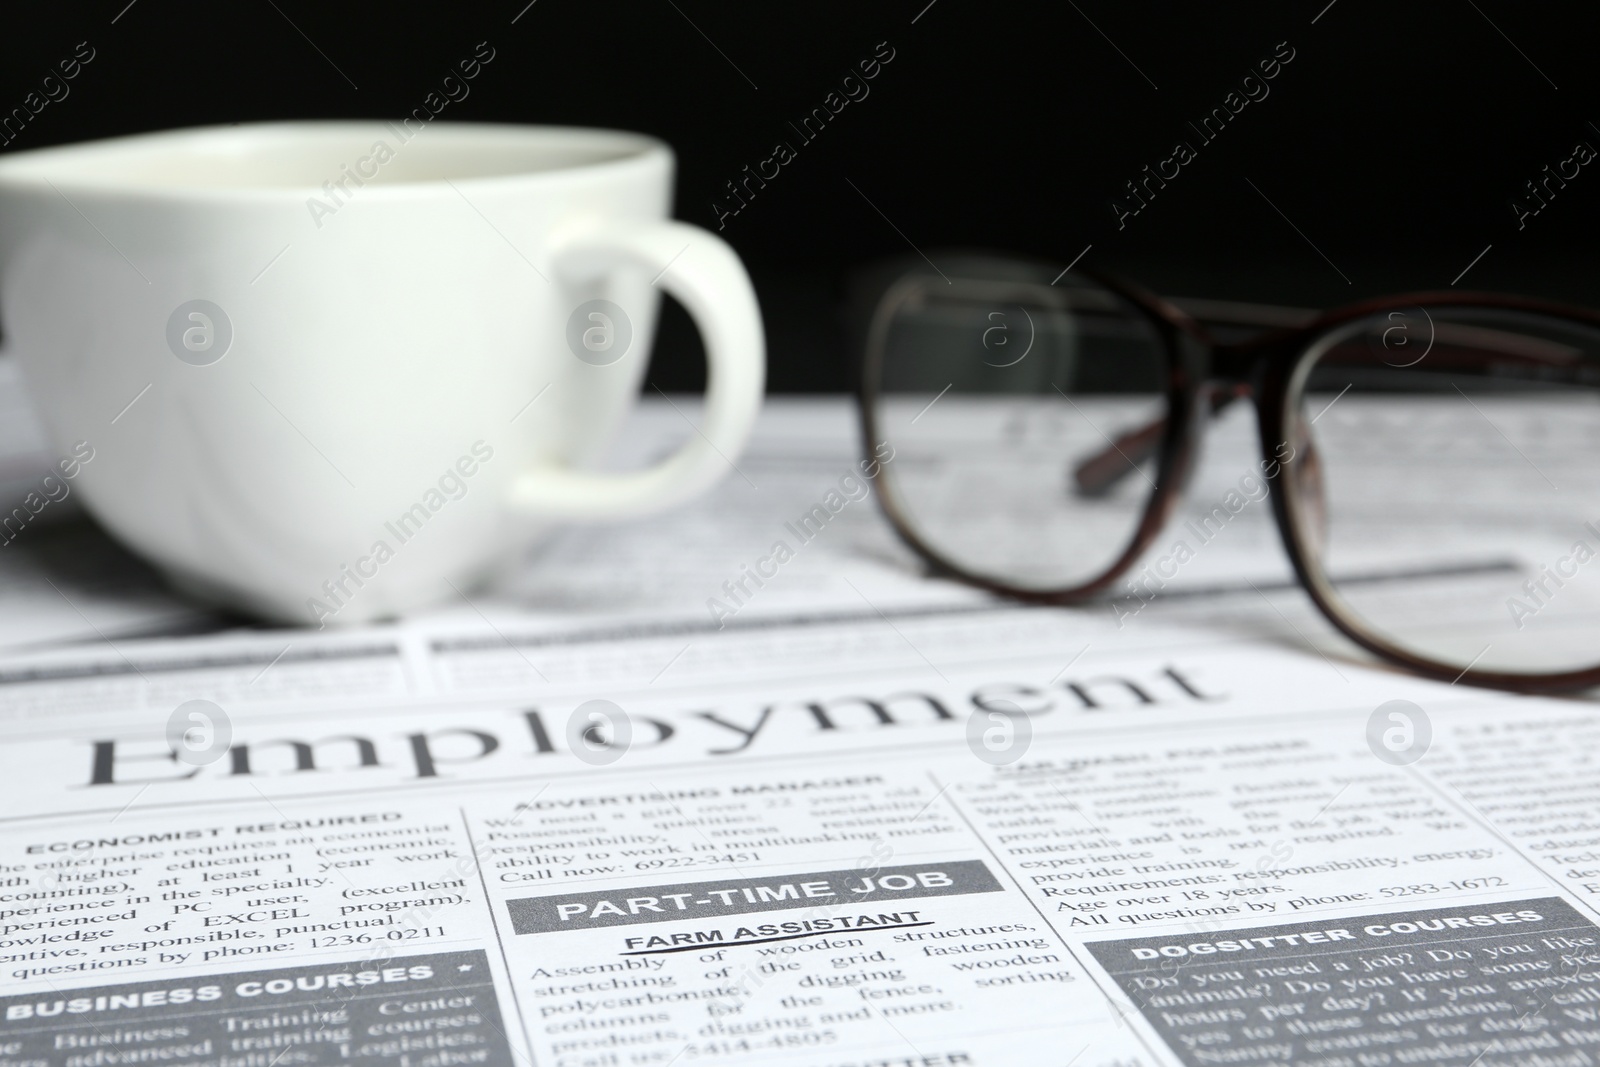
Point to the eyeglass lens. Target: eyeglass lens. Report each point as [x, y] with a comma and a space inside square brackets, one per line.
[1451, 490]
[991, 393]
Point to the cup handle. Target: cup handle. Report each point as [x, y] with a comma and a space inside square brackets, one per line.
[704, 274]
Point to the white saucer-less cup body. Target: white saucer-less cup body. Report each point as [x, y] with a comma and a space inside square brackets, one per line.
[330, 372]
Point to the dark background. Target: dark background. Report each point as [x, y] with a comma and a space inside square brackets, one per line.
[1393, 143]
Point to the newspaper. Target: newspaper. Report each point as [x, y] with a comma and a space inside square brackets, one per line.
[992, 837]
[863, 819]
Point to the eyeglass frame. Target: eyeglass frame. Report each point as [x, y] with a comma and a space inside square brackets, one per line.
[1200, 368]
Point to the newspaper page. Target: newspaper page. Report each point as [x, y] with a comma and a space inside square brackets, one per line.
[800, 482]
[946, 838]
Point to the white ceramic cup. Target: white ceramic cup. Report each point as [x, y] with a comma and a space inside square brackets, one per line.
[332, 371]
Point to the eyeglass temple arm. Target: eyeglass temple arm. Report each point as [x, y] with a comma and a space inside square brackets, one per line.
[1101, 472]
[1455, 345]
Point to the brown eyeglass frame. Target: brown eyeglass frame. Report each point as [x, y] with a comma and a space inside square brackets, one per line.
[1201, 369]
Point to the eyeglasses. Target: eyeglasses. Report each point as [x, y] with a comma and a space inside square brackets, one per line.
[1432, 461]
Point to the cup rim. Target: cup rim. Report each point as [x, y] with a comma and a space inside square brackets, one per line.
[36, 168]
